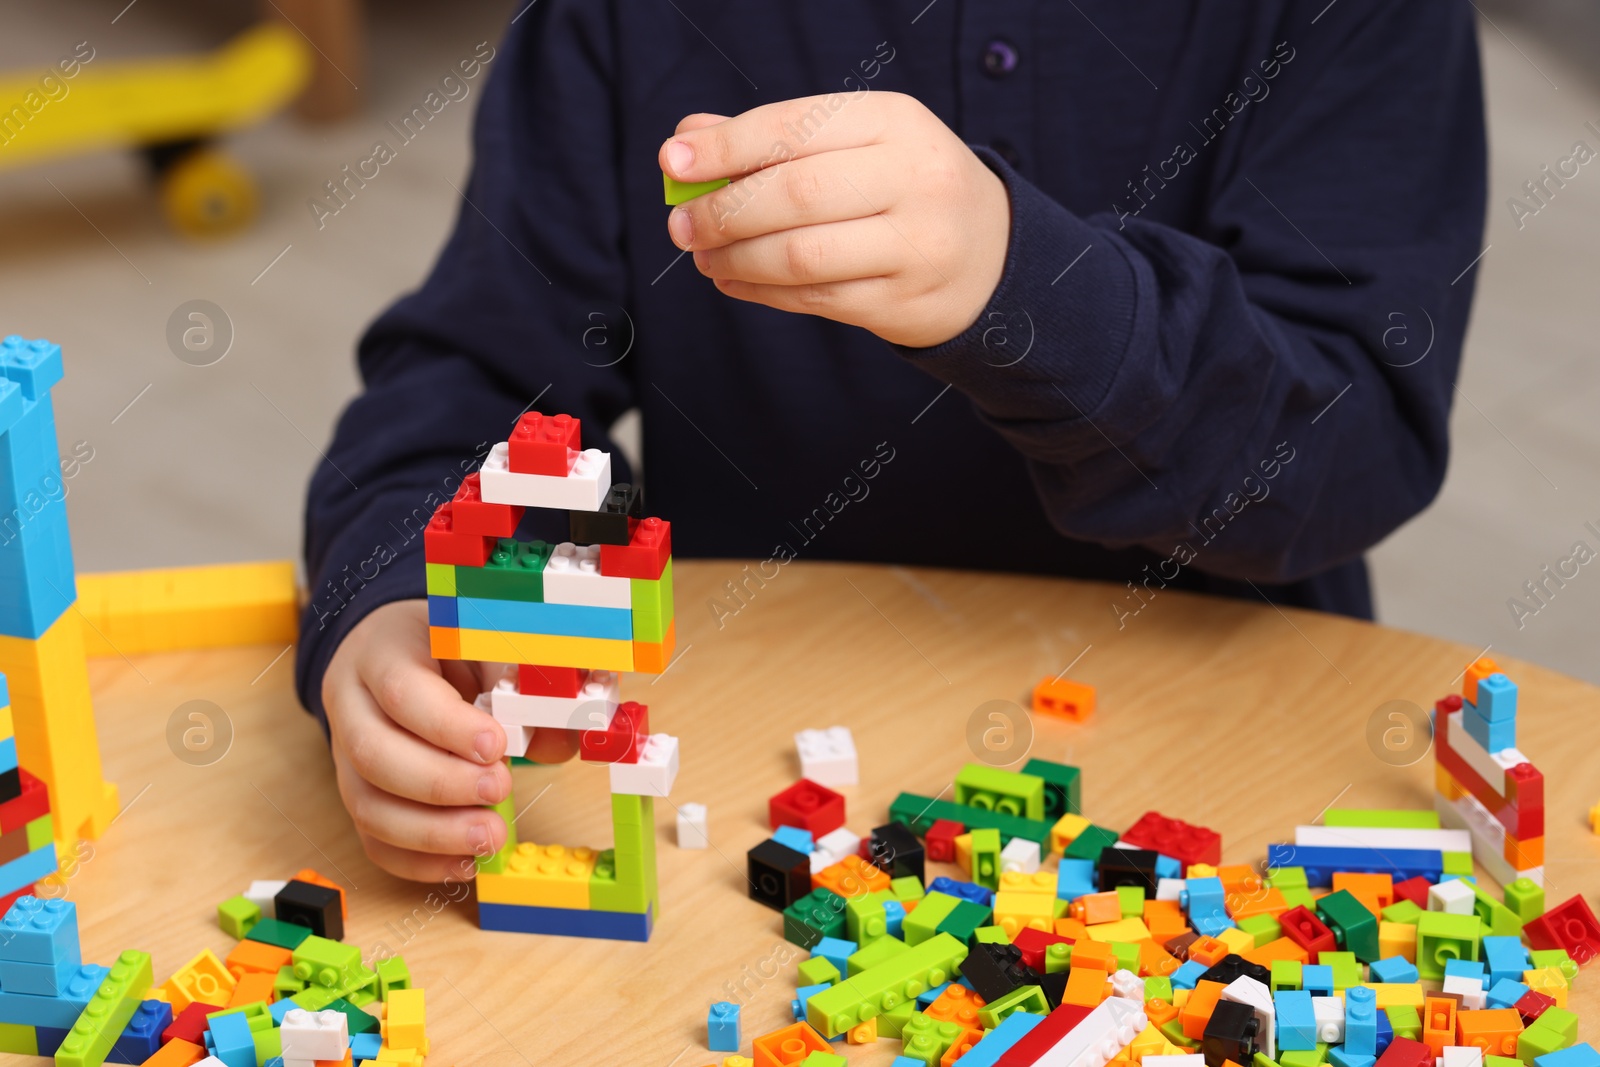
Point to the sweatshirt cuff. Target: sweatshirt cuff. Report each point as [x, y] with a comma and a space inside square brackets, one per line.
[1063, 313]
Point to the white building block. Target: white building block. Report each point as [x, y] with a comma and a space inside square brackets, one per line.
[314, 1035]
[655, 772]
[264, 896]
[1185, 1059]
[828, 757]
[572, 576]
[1329, 1015]
[832, 847]
[592, 709]
[1129, 986]
[583, 489]
[1383, 838]
[1473, 996]
[1459, 1056]
[1249, 991]
[1170, 888]
[1020, 856]
[1488, 838]
[692, 829]
[1454, 897]
[1491, 766]
[1104, 1032]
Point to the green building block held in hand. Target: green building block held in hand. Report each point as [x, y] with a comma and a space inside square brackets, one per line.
[677, 192]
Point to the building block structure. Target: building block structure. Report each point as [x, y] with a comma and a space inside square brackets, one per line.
[41, 636]
[568, 618]
[127, 613]
[1483, 784]
[27, 838]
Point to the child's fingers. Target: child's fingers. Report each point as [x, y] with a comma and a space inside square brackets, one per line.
[835, 252]
[854, 302]
[698, 121]
[837, 187]
[418, 866]
[399, 762]
[409, 686]
[773, 133]
[407, 824]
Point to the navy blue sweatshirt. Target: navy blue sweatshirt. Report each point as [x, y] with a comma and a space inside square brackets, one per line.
[1220, 357]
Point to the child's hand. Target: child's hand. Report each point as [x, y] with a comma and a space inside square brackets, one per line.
[874, 214]
[414, 758]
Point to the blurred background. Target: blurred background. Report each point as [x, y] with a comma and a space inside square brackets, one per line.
[201, 453]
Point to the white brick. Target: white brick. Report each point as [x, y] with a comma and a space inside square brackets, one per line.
[572, 576]
[828, 757]
[655, 772]
[583, 489]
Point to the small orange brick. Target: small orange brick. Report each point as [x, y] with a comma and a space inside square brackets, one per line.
[1066, 699]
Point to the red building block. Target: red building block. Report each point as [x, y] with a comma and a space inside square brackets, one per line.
[190, 1024]
[620, 742]
[19, 811]
[443, 543]
[644, 556]
[1033, 944]
[1570, 926]
[940, 840]
[1414, 890]
[1173, 837]
[1404, 1052]
[1302, 927]
[1042, 1038]
[543, 444]
[474, 515]
[808, 806]
[1532, 1005]
[1525, 789]
[1522, 823]
[538, 681]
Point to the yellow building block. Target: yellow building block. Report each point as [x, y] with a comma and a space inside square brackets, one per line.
[1130, 930]
[1397, 939]
[7, 725]
[1396, 994]
[1549, 981]
[1066, 831]
[1150, 1042]
[203, 978]
[133, 612]
[1015, 912]
[53, 717]
[1200, 870]
[405, 1020]
[548, 876]
[498, 646]
[1237, 940]
[1039, 882]
[401, 1057]
[963, 844]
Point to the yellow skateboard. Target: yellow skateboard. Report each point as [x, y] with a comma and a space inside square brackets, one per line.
[170, 109]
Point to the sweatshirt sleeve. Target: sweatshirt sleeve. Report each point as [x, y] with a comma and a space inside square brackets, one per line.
[1297, 356]
[522, 309]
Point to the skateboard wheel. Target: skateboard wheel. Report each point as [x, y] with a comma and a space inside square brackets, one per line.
[204, 193]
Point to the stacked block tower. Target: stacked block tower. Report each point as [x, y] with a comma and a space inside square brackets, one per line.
[41, 635]
[1483, 783]
[27, 839]
[568, 619]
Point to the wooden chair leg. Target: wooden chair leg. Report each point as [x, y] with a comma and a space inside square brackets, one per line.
[334, 28]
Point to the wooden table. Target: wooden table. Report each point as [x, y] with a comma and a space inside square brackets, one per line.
[1234, 715]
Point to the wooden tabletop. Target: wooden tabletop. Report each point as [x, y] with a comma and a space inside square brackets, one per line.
[1237, 716]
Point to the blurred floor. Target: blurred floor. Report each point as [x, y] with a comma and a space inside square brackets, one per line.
[195, 464]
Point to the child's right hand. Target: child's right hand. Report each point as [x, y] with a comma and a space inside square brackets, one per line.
[415, 759]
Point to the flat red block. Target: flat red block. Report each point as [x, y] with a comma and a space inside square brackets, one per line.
[539, 681]
[190, 1024]
[809, 806]
[940, 840]
[1033, 944]
[1414, 890]
[1532, 1005]
[1173, 837]
[1404, 1052]
[644, 556]
[443, 543]
[475, 515]
[33, 802]
[1569, 926]
[1302, 927]
[619, 742]
[543, 444]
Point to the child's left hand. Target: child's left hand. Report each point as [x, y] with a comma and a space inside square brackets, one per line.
[874, 214]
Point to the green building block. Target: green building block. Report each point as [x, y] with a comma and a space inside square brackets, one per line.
[872, 992]
[19, 1040]
[1538, 1041]
[1525, 899]
[107, 1015]
[1442, 937]
[40, 832]
[819, 1058]
[1063, 787]
[986, 858]
[1158, 987]
[865, 919]
[991, 935]
[1127, 955]
[287, 984]
[315, 997]
[882, 950]
[992, 789]
[1353, 926]
[818, 971]
[327, 964]
[393, 976]
[1298, 896]
[1501, 1061]
[268, 1043]
[652, 605]
[495, 863]
[1310, 1058]
[236, 916]
[1553, 957]
[920, 813]
[270, 931]
[1498, 920]
[1286, 975]
[1402, 911]
[1346, 970]
[1558, 1021]
[514, 571]
[1057, 958]
[1405, 1021]
[1456, 863]
[1261, 1059]
[818, 914]
[923, 923]
[1287, 878]
[1263, 928]
[635, 887]
[964, 920]
[1172, 1030]
[256, 1014]
[1379, 818]
[1090, 843]
[441, 579]
[1130, 899]
[1028, 998]
[926, 1039]
[892, 1023]
[678, 192]
[908, 888]
[360, 1021]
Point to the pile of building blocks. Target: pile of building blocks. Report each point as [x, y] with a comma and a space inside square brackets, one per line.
[128, 613]
[41, 636]
[27, 838]
[1483, 784]
[1053, 940]
[568, 618]
[291, 993]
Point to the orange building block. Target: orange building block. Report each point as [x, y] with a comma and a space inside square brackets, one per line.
[788, 1046]
[1438, 1023]
[1155, 960]
[1476, 672]
[1264, 901]
[1524, 854]
[1198, 1008]
[1065, 699]
[1280, 949]
[1086, 986]
[652, 657]
[851, 877]
[1067, 926]
[1368, 888]
[960, 1046]
[1494, 1030]
[251, 988]
[1208, 950]
[863, 1033]
[1096, 908]
[1159, 1012]
[444, 642]
[957, 1004]
[177, 1053]
[308, 875]
[1094, 955]
[254, 957]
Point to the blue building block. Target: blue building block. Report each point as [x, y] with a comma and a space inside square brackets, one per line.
[141, 1038]
[906, 1061]
[1505, 956]
[1497, 698]
[836, 950]
[1168, 867]
[1321, 862]
[12, 403]
[568, 922]
[963, 890]
[796, 838]
[928, 996]
[442, 612]
[5, 692]
[1385, 1032]
[231, 1041]
[8, 753]
[37, 580]
[1188, 975]
[365, 1046]
[61, 1011]
[50, 1038]
[1297, 1022]
[533, 617]
[1076, 878]
[1361, 1021]
[995, 1043]
[1341, 1056]
[1505, 993]
[1465, 969]
[34, 365]
[803, 994]
[28, 869]
[894, 914]
[40, 931]
[1580, 1055]
[722, 1027]
[38, 979]
[1393, 969]
[1317, 979]
[1493, 736]
[279, 1008]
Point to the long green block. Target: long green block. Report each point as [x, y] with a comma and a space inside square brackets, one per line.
[1090, 843]
[625, 878]
[677, 192]
[923, 923]
[1063, 787]
[878, 989]
[1382, 818]
[652, 605]
[1008, 792]
[515, 571]
[920, 813]
[964, 920]
[882, 950]
[496, 862]
[107, 1015]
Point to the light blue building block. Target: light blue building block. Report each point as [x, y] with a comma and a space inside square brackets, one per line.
[1341, 1056]
[230, 1040]
[1075, 878]
[59, 1012]
[1361, 1021]
[30, 868]
[5, 692]
[894, 913]
[1506, 957]
[796, 838]
[1297, 1021]
[1497, 698]
[1317, 979]
[1464, 968]
[34, 365]
[1394, 969]
[531, 617]
[1493, 736]
[722, 1027]
[37, 581]
[365, 1046]
[1013, 1028]
[801, 995]
[1168, 867]
[837, 951]
[40, 931]
[8, 755]
[39, 979]
[1580, 1055]
[1188, 975]
[1505, 993]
